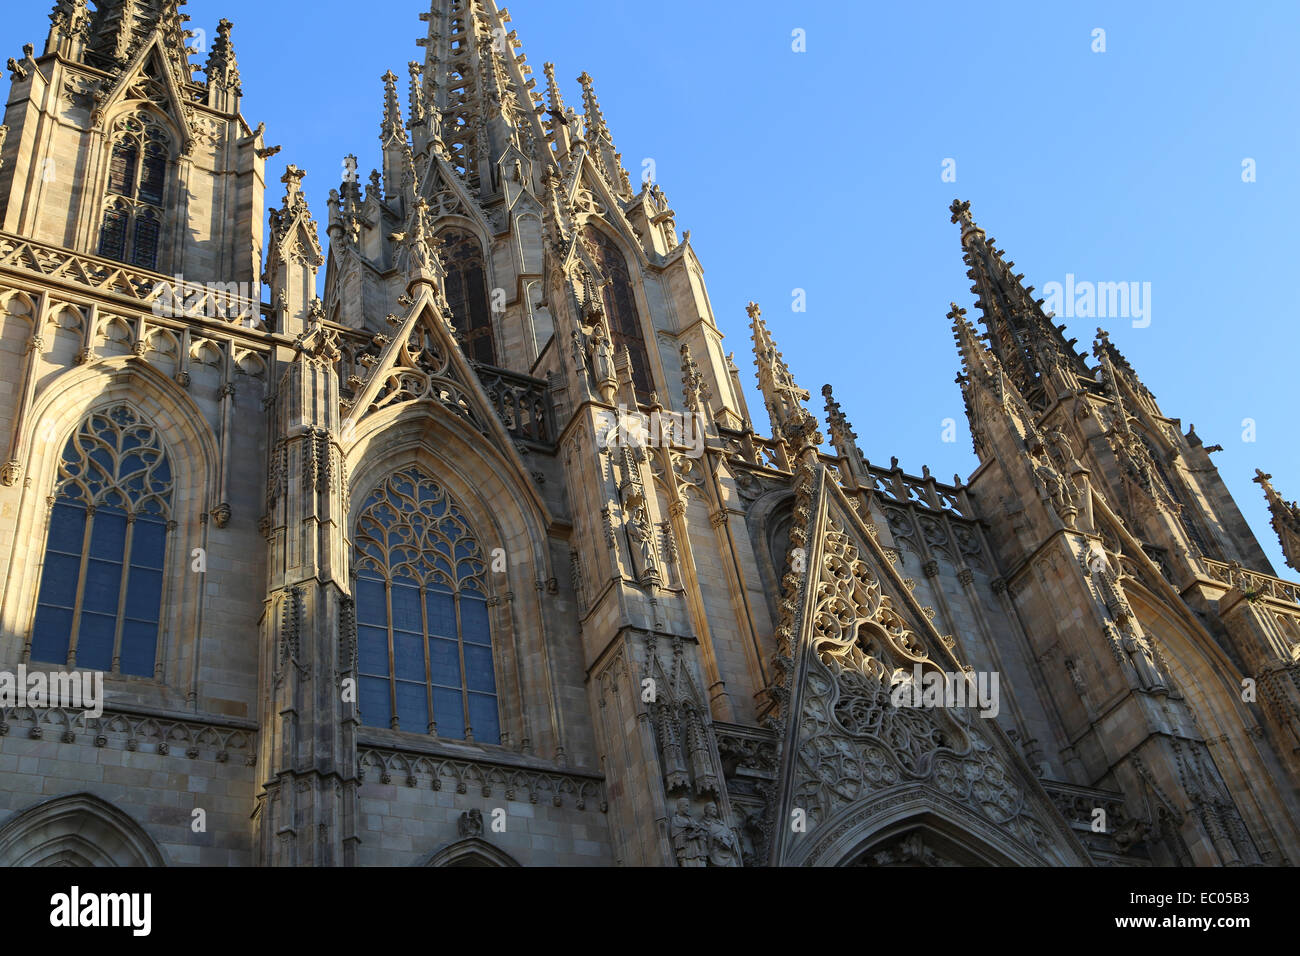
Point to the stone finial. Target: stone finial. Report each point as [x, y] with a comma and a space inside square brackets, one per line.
[694, 386]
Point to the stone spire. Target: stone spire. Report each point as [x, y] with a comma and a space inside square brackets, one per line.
[982, 372]
[476, 83]
[222, 72]
[1286, 520]
[607, 158]
[117, 28]
[69, 27]
[392, 134]
[294, 257]
[791, 421]
[843, 439]
[419, 126]
[557, 122]
[1031, 349]
[1122, 369]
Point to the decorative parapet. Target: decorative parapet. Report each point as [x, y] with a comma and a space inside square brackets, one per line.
[522, 403]
[146, 733]
[487, 777]
[1110, 836]
[146, 290]
[1252, 583]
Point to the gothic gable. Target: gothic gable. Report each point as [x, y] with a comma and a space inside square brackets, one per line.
[421, 362]
[850, 741]
[152, 77]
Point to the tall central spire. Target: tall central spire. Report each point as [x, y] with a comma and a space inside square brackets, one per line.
[476, 90]
[1031, 349]
[118, 27]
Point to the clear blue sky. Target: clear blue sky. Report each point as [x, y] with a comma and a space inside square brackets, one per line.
[822, 171]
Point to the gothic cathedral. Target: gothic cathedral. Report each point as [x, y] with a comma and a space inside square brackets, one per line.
[398, 574]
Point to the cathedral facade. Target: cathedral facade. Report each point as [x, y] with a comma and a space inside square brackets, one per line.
[481, 557]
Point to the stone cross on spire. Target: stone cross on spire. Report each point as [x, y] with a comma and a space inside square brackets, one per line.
[1285, 519]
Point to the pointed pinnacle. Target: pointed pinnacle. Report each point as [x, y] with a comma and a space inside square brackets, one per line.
[595, 119]
[960, 210]
[840, 430]
[393, 125]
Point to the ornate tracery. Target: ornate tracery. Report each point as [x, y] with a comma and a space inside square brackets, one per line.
[424, 642]
[136, 190]
[101, 588]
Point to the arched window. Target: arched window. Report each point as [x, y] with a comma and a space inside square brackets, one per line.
[137, 190]
[101, 584]
[620, 307]
[424, 645]
[467, 293]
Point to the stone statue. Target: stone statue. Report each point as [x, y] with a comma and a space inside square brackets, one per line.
[690, 838]
[724, 850]
[602, 364]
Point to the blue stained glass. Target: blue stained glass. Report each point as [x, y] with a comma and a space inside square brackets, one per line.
[51, 635]
[59, 580]
[67, 529]
[108, 535]
[372, 696]
[139, 646]
[413, 706]
[484, 719]
[95, 641]
[474, 621]
[444, 662]
[408, 656]
[148, 542]
[441, 607]
[449, 711]
[372, 605]
[103, 584]
[406, 609]
[411, 534]
[372, 651]
[478, 669]
[144, 594]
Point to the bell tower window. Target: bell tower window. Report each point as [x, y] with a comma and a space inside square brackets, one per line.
[467, 294]
[620, 307]
[137, 190]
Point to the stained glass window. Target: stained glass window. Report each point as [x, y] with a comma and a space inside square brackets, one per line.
[424, 642]
[100, 597]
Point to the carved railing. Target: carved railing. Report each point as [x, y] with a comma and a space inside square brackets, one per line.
[1112, 834]
[150, 291]
[522, 403]
[1253, 583]
[893, 484]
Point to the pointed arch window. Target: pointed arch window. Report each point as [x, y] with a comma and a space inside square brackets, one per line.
[424, 643]
[467, 293]
[100, 598]
[137, 191]
[620, 307]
